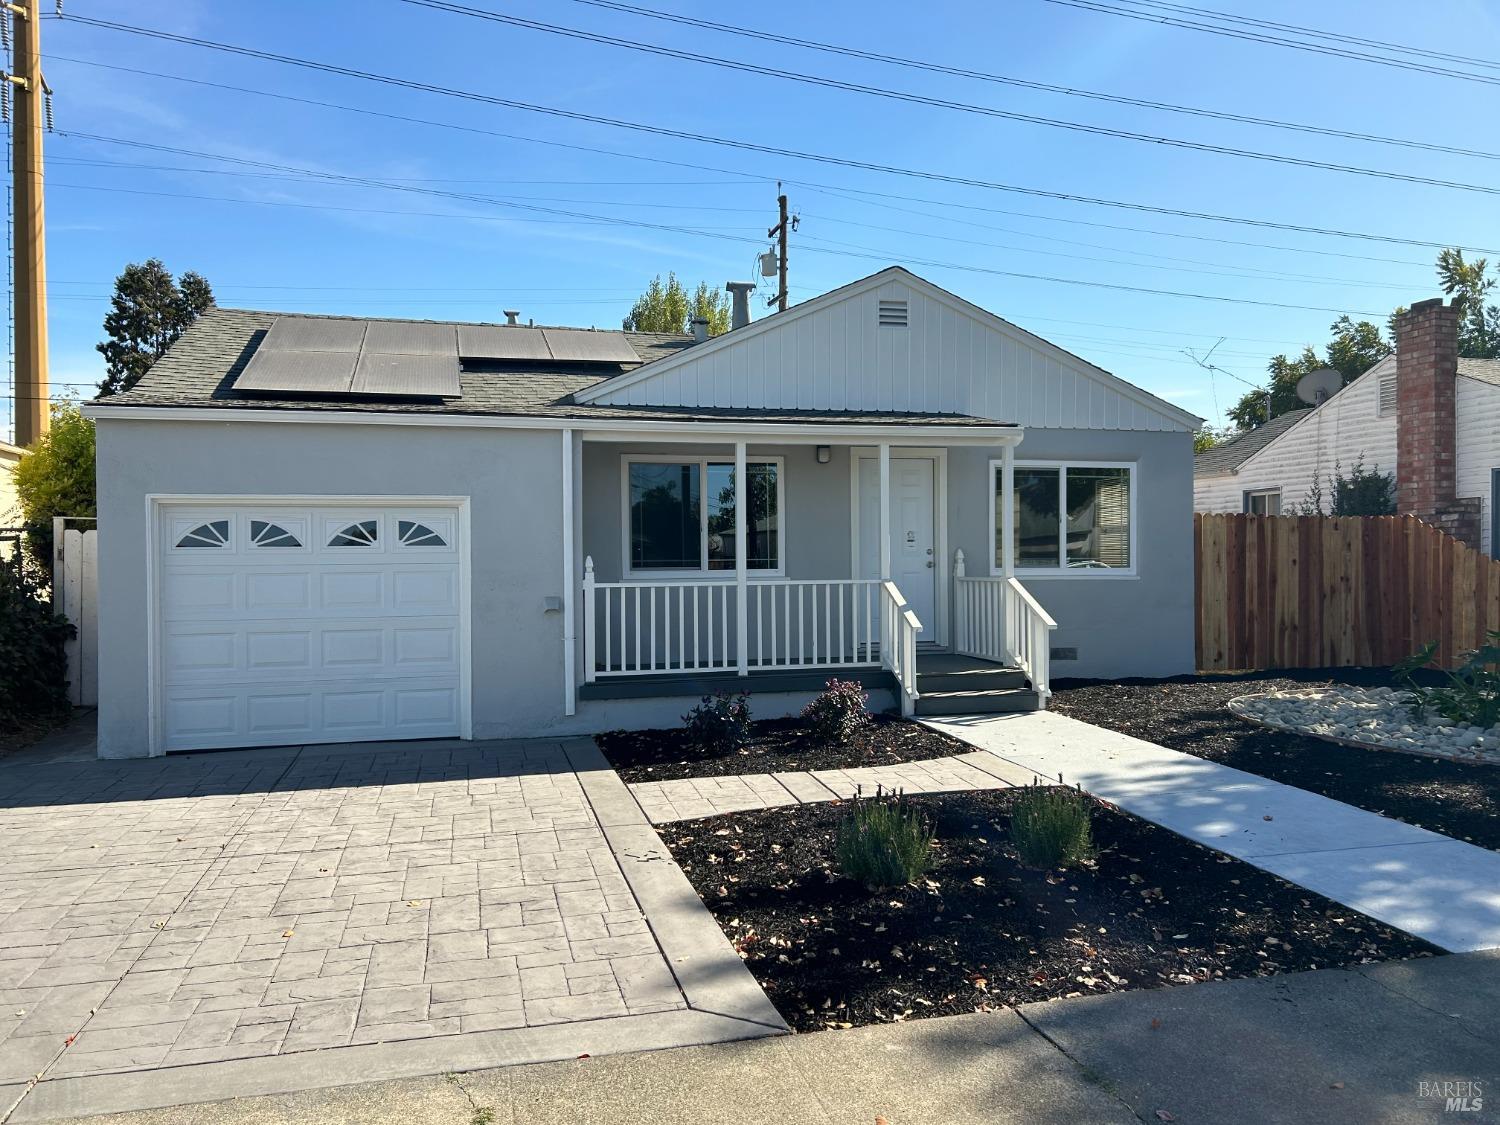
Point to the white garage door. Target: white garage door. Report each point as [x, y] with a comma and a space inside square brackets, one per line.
[285, 624]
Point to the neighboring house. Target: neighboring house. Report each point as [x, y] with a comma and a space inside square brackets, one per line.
[324, 529]
[1424, 414]
[10, 507]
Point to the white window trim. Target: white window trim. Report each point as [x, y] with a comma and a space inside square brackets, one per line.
[1068, 574]
[702, 573]
[1251, 493]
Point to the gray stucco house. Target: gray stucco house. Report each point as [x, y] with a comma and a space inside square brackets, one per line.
[324, 529]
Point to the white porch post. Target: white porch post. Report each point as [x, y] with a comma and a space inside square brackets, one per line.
[570, 581]
[885, 511]
[741, 607]
[1008, 511]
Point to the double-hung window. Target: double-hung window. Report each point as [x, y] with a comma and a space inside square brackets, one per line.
[680, 514]
[1075, 518]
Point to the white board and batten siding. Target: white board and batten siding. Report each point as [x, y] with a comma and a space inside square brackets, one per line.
[849, 350]
[1345, 429]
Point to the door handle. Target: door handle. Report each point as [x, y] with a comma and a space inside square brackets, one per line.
[929, 564]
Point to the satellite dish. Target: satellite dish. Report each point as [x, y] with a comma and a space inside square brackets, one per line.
[1315, 387]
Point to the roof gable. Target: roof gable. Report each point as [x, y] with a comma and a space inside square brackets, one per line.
[841, 351]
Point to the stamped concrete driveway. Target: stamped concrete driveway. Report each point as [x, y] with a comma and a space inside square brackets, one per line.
[247, 922]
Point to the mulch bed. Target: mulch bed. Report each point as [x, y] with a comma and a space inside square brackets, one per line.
[982, 931]
[776, 745]
[1458, 799]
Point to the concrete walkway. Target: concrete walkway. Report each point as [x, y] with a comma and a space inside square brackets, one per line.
[691, 797]
[274, 920]
[1435, 887]
[1302, 1049]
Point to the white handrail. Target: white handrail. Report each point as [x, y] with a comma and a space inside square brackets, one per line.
[899, 627]
[997, 618]
[660, 626]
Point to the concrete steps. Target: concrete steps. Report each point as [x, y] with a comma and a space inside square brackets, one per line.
[949, 684]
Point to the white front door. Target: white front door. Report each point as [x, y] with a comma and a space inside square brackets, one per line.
[913, 532]
[288, 623]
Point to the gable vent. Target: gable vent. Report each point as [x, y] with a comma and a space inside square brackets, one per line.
[893, 314]
[1387, 405]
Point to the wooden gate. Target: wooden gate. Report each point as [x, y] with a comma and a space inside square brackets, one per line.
[75, 595]
[1329, 591]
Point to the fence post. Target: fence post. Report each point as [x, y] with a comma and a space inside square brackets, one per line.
[960, 608]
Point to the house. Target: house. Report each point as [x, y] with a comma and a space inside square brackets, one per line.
[324, 529]
[10, 507]
[1424, 414]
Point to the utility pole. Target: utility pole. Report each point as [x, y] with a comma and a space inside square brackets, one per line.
[779, 232]
[30, 271]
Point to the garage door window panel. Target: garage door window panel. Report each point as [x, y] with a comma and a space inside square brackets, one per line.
[214, 534]
[264, 533]
[363, 533]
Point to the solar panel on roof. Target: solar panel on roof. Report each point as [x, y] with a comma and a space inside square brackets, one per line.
[299, 333]
[406, 376]
[491, 341]
[411, 338]
[298, 372]
[582, 346]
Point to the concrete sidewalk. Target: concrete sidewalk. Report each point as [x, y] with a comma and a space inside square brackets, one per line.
[1433, 886]
[1331, 1045]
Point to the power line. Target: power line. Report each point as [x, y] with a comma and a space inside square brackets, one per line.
[1026, 84]
[941, 103]
[1250, 273]
[748, 176]
[749, 146]
[1275, 40]
[864, 253]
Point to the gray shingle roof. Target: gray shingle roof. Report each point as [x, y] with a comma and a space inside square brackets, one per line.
[1483, 370]
[200, 369]
[1230, 455]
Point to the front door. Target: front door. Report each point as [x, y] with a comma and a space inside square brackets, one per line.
[913, 532]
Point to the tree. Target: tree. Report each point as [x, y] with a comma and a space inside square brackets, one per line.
[669, 307]
[148, 312]
[1470, 285]
[55, 477]
[1208, 437]
[1353, 350]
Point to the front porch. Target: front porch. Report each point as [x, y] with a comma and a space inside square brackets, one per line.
[832, 560]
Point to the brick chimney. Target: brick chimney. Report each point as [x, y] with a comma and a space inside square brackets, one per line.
[1426, 393]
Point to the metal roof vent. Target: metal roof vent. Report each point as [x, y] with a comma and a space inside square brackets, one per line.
[893, 314]
[1387, 402]
[512, 316]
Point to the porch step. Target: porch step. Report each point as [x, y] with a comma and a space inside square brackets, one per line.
[978, 702]
[949, 672]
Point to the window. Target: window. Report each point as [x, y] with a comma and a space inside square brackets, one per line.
[1069, 518]
[362, 534]
[265, 534]
[681, 515]
[1263, 502]
[215, 533]
[412, 534]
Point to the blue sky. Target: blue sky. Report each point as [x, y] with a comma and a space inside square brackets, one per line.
[282, 241]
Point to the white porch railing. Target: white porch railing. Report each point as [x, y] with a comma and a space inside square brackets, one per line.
[998, 619]
[898, 644]
[672, 626]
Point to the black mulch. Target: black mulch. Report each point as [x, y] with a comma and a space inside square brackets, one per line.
[981, 931]
[777, 745]
[1188, 714]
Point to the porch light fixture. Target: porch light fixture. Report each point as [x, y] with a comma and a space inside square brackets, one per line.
[825, 454]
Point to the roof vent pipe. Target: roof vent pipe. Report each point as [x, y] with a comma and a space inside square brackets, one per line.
[700, 329]
[741, 292]
[512, 316]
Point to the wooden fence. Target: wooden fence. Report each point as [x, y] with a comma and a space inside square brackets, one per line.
[1326, 591]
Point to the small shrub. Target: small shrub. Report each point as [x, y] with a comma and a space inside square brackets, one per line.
[883, 842]
[33, 666]
[721, 722]
[1471, 694]
[839, 712]
[1049, 827]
